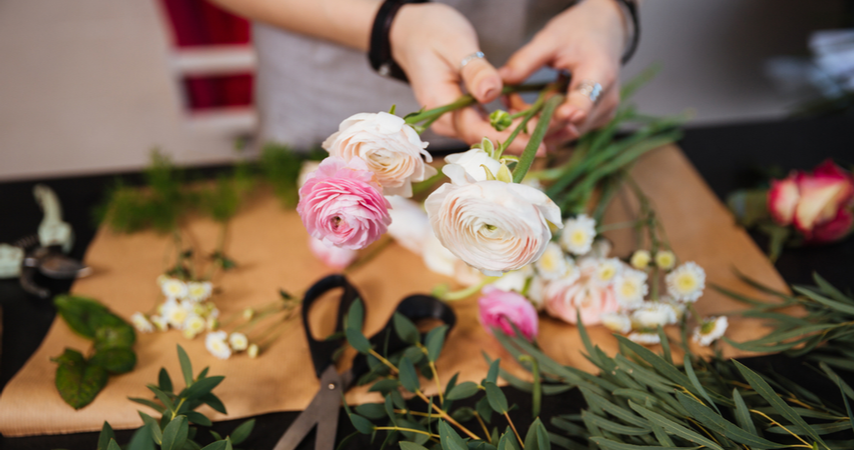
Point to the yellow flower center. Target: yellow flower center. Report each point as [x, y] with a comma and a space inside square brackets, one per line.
[686, 282]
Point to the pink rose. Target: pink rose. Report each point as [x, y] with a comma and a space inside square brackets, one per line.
[592, 298]
[334, 257]
[818, 204]
[499, 309]
[341, 204]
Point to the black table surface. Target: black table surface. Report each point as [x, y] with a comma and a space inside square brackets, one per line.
[726, 156]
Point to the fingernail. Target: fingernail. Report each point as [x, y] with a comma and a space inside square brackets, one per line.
[489, 93]
[576, 116]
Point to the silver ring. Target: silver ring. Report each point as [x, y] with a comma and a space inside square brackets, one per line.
[590, 89]
[468, 58]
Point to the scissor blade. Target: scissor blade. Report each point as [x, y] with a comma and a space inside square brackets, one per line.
[322, 411]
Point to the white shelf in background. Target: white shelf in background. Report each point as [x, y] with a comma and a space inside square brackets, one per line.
[213, 60]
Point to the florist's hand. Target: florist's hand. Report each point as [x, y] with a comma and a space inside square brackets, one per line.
[586, 40]
[429, 41]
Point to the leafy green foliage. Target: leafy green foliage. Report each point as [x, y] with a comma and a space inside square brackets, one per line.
[174, 430]
[78, 379]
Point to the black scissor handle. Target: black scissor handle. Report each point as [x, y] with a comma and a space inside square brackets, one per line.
[323, 350]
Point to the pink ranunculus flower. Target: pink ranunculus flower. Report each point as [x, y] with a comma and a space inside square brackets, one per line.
[500, 309]
[341, 204]
[583, 292]
[389, 146]
[332, 256]
[818, 204]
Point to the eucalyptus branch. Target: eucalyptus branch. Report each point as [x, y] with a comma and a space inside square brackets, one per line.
[444, 415]
[411, 430]
[511, 423]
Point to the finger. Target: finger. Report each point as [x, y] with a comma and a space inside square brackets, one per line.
[604, 112]
[579, 105]
[435, 85]
[515, 103]
[472, 126]
[526, 61]
[481, 80]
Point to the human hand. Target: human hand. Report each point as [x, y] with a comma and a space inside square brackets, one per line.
[428, 42]
[586, 40]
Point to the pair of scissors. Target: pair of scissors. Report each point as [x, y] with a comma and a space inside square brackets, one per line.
[323, 409]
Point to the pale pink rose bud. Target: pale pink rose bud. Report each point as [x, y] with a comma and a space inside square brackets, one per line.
[390, 148]
[582, 292]
[332, 256]
[341, 204]
[499, 309]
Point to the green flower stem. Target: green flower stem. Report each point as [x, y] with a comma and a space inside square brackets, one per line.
[511, 423]
[376, 250]
[465, 101]
[536, 391]
[484, 427]
[536, 137]
[385, 361]
[258, 317]
[411, 430]
[446, 416]
[220, 249]
[466, 292]
[523, 125]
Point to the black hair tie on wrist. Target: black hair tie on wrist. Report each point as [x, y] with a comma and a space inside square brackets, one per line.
[380, 51]
[632, 8]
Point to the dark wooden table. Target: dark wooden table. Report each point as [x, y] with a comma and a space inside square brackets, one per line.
[726, 156]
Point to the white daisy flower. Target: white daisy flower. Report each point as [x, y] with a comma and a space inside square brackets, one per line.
[238, 341]
[678, 307]
[630, 288]
[601, 248]
[640, 259]
[174, 288]
[216, 344]
[644, 338]
[617, 322]
[709, 330]
[665, 259]
[607, 271]
[141, 323]
[212, 323]
[553, 264]
[252, 351]
[686, 282]
[160, 323]
[188, 334]
[198, 309]
[512, 281]
[578, 234]
[194, 324]
[652, 315]
[198, 291]
[163, 278]
[212, 310]
[174, 313]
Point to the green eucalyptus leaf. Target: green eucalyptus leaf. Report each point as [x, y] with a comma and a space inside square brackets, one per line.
[186, 366]
[149, 403]
[77, 381]
[163, 381]
[218, 445]
[463, 414]
[537, 437]
[358, 340]
[242, 432]
[384, 386]
[162, 396]
[372, 411]
[405, 328]
[492, 372]
[414, 354]
[153, 426]
[214, 402]
[463, 390]
[361, 424]
[116, 360]
[113, 445]
[198, 418]
[389, 409]
[410, 446]
[175, 433]
[674, 428]
[484, 410]
[202, 387]
[355, 315]
[449, 439]
[407, 375]
[141, 439]
[715, 422]
[434, 341]
[508, 441]
[496, 397]
[105, 436]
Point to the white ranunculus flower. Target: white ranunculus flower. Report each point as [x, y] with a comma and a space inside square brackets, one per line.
[391, 149]
[493, 226]
[472, 160]
[440, 260]
[409, 224]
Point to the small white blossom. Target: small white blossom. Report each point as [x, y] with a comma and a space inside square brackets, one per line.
[512, 281]
[248, 313]
[665, 259]
[216, 344]
[535, 292]
[198, 291]
[644, 338]
[174, 288]
[686, 282]
[238, 341]
[640, 259]
[601, 248]
[194, 324]
[630, 288]
[163, 278]
[617, 322]
[174, 313]
[709, 330]
[141, 323]
[554, 264]
[607, 271]
[212, 323]
[652, 315]
[252, 351]
[578, 234]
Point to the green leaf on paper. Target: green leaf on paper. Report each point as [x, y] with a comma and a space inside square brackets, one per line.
[186, 366]
[214, 402]
[175, 433]
[197, 418]
[83, 315]
[407, 375]
[105, 436]
[485, 411]
[202, 387]
[405, 328]
[358, 340]
[492, 372]
[115, 360]
[77, 381]
[112, 331]
[242, 432]
[463, 390]
[361, 424]
[163, 381]
[434, 342]
[153, 427]
[355, 315]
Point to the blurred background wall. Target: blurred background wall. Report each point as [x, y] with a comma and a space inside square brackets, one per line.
[91, 86]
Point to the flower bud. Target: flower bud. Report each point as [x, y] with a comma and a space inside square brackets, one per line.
[252, 351]
[500, 119]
